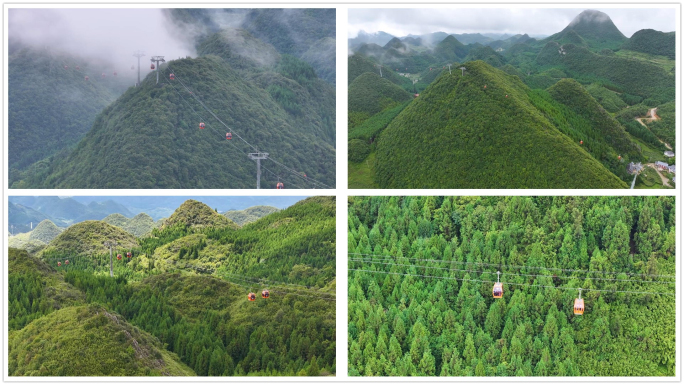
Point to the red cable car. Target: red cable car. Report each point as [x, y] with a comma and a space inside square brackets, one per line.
[66, 262]
[497, 291]
[201, 125]
[87, 78]
[581, 142]
[280, 185]
[507, 96]
[118, 257]
[619, 157]
[579, 304]
[172, 76]
[265, 294]
[229, 136]
[114, 73]
[151, 66]
[59, 263]
[251, 296]
[66, 67]
[485, 87]
[129, 255]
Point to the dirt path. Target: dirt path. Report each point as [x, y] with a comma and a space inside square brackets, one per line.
[664, 179]
[652, 116]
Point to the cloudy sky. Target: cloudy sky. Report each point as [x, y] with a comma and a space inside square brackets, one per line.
[533, 21]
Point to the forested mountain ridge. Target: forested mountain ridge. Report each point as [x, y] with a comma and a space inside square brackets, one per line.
[250, 214]
[194, 303]
[176, 151]
[422, 271]
[581, 81]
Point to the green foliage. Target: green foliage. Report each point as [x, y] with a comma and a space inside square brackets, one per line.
[370, 94]
[358, 150]
[87, 238]
[88, 341]
[425, 310]
[457, 121]
[195, 214]
[665, 127]
[608, 99]
[50, 108]
[149, 138]
[250, 214]
[652, 42]
[45, 231]
[371, 128]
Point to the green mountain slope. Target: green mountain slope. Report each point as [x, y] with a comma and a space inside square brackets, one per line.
[50, 107]
[89, 341]
[139, 225]
[194, 214]
[87, 238]
[652, 42]
[456, 121]
[369, 94]
[250, 214]
[593, 28]
[150, 137]
[45, 231]
[450, 49]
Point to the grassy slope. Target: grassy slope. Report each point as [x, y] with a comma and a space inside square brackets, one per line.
[250, 214]
[87, 238]
[455, 124]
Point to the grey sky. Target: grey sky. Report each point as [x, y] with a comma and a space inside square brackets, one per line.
[533, 21]
[110, 35]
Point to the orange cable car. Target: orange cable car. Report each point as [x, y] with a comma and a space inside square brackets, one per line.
[118, 257]
[201, 125]
[229, 136]
[59, 263]
[129, 254]
[280, 185]
[172, 76]
[265, 294]
[251, 296]
[579, 304]
[66, 262]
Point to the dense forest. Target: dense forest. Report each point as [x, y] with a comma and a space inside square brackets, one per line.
[577, 84]
[422, 271]
[178, 305]
[252, 81]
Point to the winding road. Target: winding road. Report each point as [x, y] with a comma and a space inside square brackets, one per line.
[652, 116]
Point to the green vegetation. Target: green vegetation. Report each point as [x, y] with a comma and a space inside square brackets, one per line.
[369, 94]
[665, 127]
[250, 214]
[608, 99]
[140, 225]
[652, 42]
[423, 268]
[87, 238]
[190, 318]
[592, 28]
[498, 127]
[362, 175]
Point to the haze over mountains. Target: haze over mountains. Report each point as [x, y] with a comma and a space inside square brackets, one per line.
[266, 76]
[462, 110]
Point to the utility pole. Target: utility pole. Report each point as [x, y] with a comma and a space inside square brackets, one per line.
[111, 244]
[157, 59]
[138, 54]
[258, 156]
[450, 69]
[462, 69]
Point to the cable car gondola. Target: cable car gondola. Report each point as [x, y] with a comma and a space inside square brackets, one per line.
[579, 304]
[201, 125]
[59, 263]
[151, 66]
[103, 75]
[265, 294]
[87, 78]
[66, 262]
[497, 291]
[251, 296]
[66, 67]
[280, 185]
[78, 68]
[172, 77]
[114, 73]
[129, 255]
[118, 257]
[581, 142]
[229, 136]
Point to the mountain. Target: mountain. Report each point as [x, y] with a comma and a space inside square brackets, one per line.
[125, 148]
[370, 94]
[450, 49]
[45, 231]
[21, 217]
[89, 341]
[88, 237]
[472, 38]
[652, 42]
[140, 225]
[250, 214]
[380, 38]
[595, 28]
[194, 214]
[50, 104]
[359, 64]
[457, 121]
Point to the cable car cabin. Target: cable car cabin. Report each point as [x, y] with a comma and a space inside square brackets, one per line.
[497, 291]
[201, 125]
[265, 294]
[579, 307]
[151, 66]
[280, 185]
[103, 75]
[114, 73]
[66, 67]
[118, 257]
[229, 136]
[129, 255]
[172, 77]
[66, 262]
[581, 142]
[251, 296]
[59, 263]
[87, 78]
[78, 68]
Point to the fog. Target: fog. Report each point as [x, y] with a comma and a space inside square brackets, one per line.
[104, 36]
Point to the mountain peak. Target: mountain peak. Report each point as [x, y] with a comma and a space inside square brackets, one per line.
[590, 16]
[196, 214]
